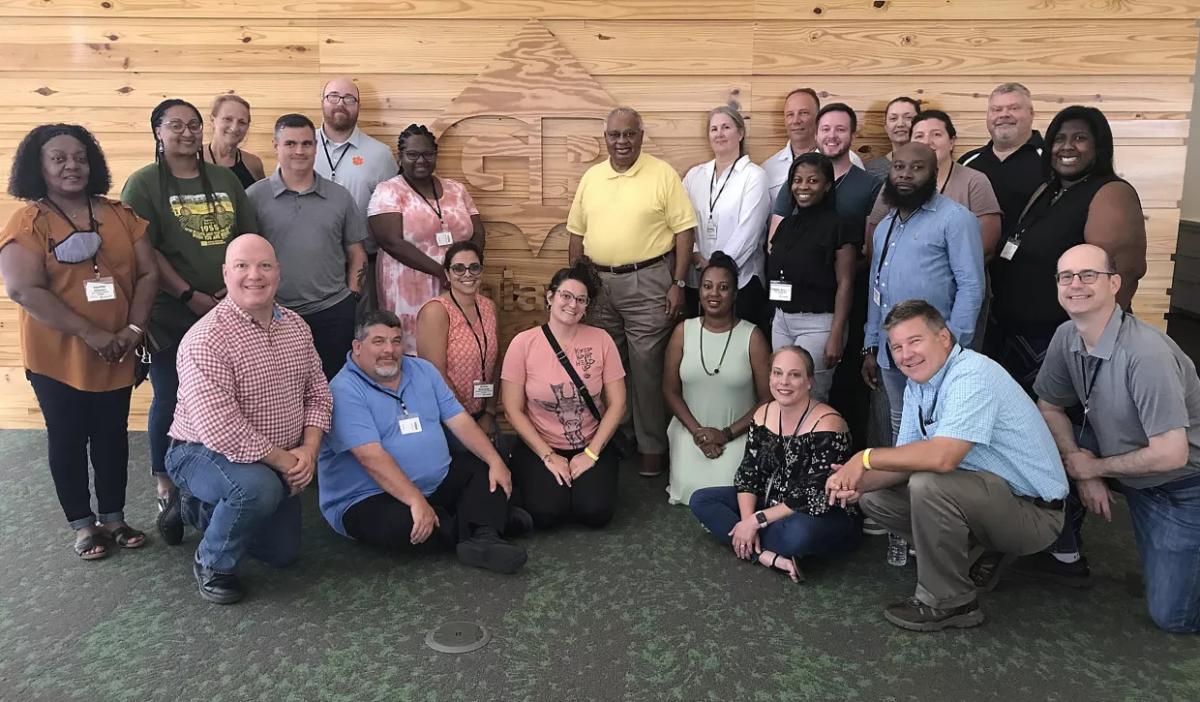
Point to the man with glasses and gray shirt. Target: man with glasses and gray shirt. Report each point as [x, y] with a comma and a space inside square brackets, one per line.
[1141, 402]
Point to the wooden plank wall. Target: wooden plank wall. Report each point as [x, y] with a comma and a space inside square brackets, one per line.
[106, 63]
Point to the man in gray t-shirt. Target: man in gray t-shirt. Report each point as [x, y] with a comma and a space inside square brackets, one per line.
[1141, 399]
[317, 231]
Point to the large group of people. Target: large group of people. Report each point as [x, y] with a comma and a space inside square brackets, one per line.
[727, 328]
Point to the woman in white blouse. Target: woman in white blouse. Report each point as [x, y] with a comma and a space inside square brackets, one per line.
[731, 199]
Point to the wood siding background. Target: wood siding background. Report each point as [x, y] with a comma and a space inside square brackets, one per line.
[105, 64]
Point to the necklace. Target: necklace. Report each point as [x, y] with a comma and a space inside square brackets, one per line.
[728, 337]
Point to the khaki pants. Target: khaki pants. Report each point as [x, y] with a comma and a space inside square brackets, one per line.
[948, 516]
[632, 308]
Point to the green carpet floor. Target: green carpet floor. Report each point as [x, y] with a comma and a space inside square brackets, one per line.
[649, 609]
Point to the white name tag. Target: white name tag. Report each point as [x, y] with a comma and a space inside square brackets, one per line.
[444, 238]
[1010, 248]
[780, 291]
[710, 229]
[410, 425]
[100, 289]
[877, 297]
[484, 389]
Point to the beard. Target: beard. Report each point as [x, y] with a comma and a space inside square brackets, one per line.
[924, 193]
[387, 371]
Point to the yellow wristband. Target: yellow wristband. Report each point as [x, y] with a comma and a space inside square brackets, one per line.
[867, 459]
[587, 451]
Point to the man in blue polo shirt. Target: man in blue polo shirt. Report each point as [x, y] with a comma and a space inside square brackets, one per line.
[387, 477]
[975, 472]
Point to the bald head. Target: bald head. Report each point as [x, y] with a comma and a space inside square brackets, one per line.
[339, 114]
[251, 274]
[1091, 281]
[912, 180]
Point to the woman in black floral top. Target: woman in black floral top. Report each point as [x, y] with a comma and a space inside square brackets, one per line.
[777, 511]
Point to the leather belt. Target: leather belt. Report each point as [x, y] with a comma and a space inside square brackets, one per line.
[1044, 504]
[631, 267]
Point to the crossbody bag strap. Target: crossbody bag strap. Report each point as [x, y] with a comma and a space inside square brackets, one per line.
[570, 369]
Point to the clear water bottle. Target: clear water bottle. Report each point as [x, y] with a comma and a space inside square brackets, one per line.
[897, 552]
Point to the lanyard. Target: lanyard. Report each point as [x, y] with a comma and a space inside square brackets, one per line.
[887, 240]
[712, 201]
[398, 397]
[949, 175]
[796, 431]
[922, 422]
[436, 205]
[329, 159]
[481, 346]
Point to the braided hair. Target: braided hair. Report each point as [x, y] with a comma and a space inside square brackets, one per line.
[170, 186]
[411, 131]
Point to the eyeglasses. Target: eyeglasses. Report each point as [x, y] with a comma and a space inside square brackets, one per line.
[1087, 277]
[335, 99]
[461, 269]
[615, 134]
[568, 298]
[177, 126]
[418, 155]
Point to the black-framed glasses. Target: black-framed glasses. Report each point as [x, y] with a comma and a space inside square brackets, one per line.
[1086, 276]
[335, 99]
[419, 155]
[566, 297]
[615, 134]
[464, 268]
[177, 126]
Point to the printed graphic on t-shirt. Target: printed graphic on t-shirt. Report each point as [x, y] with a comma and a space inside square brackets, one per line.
[584, 360]
[569, 407]
[211, 225]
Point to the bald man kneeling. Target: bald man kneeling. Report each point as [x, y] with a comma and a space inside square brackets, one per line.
[253, 407]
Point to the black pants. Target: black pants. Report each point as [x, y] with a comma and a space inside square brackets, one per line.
[591, 499]
[850, 395]
[462, 503]
[79, 422]
[333, 331]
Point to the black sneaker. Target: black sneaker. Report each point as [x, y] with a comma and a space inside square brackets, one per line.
[485, 549]
[985, 572]
[914, 615]
[215, 587]
[170, 519]
[1046, 567]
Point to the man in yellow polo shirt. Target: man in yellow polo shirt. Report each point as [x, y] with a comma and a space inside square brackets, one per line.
[633, 219]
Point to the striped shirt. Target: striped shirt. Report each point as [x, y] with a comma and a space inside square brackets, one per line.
[243, 389]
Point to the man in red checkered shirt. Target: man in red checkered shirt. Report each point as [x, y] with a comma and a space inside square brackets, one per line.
[253, 406]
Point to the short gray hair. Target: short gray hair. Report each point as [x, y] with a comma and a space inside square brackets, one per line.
[1006, 88]
[623, 110]
[370, 319]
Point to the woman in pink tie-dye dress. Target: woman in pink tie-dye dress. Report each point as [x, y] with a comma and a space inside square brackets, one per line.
[415, 217]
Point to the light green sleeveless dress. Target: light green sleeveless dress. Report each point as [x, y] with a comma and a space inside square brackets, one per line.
[716, 400]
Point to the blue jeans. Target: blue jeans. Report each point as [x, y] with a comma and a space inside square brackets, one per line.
[1166, 525]
[240, 507]
[798, 535]
[164, 378]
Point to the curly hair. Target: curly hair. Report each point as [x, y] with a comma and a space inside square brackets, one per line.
[583, 271]
[26, 181]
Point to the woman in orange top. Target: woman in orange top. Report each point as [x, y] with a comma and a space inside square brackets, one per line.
[84, 276]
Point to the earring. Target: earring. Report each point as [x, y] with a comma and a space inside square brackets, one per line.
[160, 147]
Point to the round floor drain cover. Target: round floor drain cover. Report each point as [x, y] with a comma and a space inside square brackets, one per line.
[458, 637]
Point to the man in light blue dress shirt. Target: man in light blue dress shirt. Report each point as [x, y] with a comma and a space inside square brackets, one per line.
[975, 473]
[928, 248]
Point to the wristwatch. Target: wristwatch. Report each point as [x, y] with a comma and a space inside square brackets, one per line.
[870, 351]
[681, 283]
[762, 518]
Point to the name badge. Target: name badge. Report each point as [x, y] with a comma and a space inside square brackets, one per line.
[483, 389]
[444, 238]
[100, 289]
[710, 229]
[779, 291]
[877, 297]
[1010, 248]
[410, 425]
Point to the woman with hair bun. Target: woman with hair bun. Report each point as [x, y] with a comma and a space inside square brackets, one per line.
[715, 374]
[415, 217]
[231, 121]
[563, 389]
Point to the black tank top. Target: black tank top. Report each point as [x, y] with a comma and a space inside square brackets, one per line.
[239, 169]
[1026, 296]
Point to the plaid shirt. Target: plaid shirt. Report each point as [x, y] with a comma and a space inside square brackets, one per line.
[244, 390]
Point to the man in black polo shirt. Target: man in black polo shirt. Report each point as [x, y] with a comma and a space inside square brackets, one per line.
[1012, 160]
